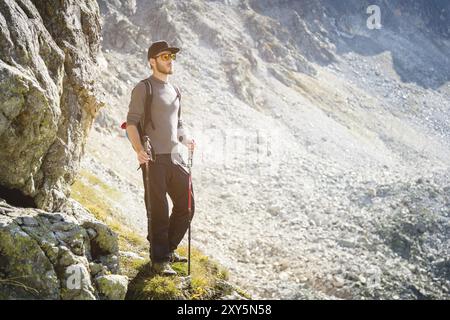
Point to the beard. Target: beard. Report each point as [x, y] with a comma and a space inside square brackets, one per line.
[163, 69]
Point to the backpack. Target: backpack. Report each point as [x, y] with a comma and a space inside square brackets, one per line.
[147, 118]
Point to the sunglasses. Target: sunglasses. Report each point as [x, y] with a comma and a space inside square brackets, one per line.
[167, 56]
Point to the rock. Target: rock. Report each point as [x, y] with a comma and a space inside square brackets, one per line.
[234, 296]
[51, 257]
[346, 243]
[96, 268]
[274, 210]
[227, 291]
[22, 258]
[112, 287]
[284, 276]
[92, 233]
[412, 267]
[105, 242]
[314, 46]
[303, 279]
[338, 281]
[226, 195]
[111, 261]
[30, 222]
[184, 283]
[131, 255]
[66, 257]
[48, 97]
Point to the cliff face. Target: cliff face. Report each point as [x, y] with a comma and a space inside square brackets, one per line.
[48, 55]
[48, 52]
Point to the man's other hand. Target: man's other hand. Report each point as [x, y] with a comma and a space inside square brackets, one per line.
[142, 157]
[191, 145]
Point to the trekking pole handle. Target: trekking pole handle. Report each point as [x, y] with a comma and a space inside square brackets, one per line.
[191, 154]
[148, 147]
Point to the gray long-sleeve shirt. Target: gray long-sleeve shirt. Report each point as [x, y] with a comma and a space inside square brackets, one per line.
[164, 110]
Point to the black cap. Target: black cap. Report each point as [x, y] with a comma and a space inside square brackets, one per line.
[158, 47]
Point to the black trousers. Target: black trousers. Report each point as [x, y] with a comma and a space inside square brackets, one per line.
[164, 232]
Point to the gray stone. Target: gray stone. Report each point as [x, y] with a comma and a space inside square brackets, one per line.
[29, 221]
[105, 242]
[91, 232]
[96, 268]
[131, 255]
[111, 261]
[49, 267]
[112, 287]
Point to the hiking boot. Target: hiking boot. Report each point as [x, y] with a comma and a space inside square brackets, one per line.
[175, 257]
[163, 268]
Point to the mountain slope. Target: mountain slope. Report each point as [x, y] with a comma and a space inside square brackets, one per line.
[323, 146]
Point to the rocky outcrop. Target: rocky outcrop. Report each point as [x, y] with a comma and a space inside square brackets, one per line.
[48, 55]
[64, 255]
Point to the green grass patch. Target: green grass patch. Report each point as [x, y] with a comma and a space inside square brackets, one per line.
[207, 276]
[95, 181]
[147, 285]
[205, 281]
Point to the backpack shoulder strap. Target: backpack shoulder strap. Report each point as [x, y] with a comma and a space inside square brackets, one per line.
[179, 98]
[148, 103]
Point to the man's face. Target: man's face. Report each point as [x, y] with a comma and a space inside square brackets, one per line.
[163, 65]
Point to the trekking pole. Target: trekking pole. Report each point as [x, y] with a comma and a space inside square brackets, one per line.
[148, 150]
[190, 162]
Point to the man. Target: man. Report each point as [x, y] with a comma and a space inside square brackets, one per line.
[167, 173]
